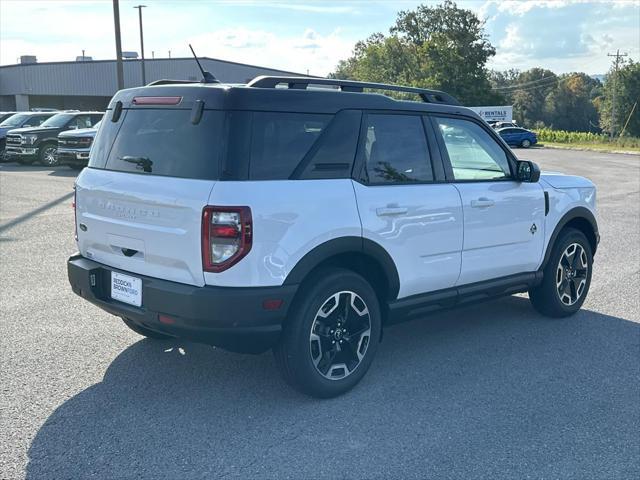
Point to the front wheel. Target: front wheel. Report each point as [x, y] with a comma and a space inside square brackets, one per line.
[48, 155]
[566, 277]
[526, 143]
[331, 335]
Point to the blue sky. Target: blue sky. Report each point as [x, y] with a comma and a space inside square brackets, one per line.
[303, 35]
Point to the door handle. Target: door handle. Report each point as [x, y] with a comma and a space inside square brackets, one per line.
[391, 211]
[482, 202]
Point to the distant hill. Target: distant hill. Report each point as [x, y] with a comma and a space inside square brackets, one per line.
[600, 77]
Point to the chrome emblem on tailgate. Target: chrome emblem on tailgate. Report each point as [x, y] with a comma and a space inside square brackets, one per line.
[131, 213]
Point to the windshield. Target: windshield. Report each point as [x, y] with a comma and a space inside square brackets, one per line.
[15, 120]
[59, 120]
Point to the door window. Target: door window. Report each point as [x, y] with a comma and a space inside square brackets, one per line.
[473, 153]
[81, 121]
[395, 150]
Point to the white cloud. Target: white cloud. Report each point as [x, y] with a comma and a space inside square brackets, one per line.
[307, 51]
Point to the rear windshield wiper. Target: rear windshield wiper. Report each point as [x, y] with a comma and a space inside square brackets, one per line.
[142, 163]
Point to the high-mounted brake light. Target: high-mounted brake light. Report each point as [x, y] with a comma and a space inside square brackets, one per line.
[156, 100]
[227, 235]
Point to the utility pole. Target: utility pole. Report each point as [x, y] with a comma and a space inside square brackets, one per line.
[116, 21]
[140, 7]
[618, 56]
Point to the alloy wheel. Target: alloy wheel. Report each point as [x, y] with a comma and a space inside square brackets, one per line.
[49, 156]
[571, 274]
[340, 335]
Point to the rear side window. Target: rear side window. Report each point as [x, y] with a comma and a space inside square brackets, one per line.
[162, 142]
[279, 141]
[395, 150]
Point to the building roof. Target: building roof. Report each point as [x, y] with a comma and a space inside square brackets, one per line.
[99, 78]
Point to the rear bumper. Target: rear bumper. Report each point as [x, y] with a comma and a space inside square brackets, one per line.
[232, 318]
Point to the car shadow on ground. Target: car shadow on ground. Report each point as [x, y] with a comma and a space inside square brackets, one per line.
[60, 171]
[489, 391]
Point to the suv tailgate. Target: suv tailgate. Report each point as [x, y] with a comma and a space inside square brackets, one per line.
[150, 225]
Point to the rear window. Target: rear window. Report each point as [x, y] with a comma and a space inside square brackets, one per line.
[161, 142]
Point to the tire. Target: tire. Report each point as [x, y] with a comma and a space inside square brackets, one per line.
[145, 332]
[316, 353]
[565, 282]
[525, 143]
[47, 155]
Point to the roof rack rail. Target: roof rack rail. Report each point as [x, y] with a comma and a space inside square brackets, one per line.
[166, 81]
[301, 83]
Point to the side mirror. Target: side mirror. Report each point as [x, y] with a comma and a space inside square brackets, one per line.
[527, 172]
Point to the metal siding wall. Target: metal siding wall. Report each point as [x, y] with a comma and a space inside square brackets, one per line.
[99, 78]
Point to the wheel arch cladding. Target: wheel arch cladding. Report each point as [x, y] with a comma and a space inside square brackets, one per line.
[581, 219]
[361, 255]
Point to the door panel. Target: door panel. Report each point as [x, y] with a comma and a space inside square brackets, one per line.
[499, 234]
[503, 218]
[418, 222]
[421, 228]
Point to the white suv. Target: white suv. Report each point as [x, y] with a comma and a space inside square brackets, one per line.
[307, 218]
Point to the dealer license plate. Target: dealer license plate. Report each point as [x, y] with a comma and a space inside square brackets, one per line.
[126, 288]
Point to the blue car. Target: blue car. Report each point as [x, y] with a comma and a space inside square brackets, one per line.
[518, 137]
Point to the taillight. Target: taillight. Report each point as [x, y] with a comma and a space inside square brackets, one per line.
[226, 236]
[75, 214]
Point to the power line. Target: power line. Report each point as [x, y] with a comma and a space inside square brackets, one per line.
[526, 83]
[618, 56]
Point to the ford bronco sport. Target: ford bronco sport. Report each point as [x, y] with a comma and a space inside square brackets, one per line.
[304, 215]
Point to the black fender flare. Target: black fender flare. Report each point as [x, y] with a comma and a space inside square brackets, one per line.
[342, 245]
[576, 212]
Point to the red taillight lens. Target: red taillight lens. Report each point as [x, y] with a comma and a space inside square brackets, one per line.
[227, 234]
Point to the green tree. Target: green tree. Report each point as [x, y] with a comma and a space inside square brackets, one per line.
[527, 92]
[570, 105]
[628, 93]
[442, 47]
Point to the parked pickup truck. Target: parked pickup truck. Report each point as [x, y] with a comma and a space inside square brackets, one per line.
[74, 146]
[19, 120]
[27, 145]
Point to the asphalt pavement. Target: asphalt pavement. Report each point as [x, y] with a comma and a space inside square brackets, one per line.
[490, 391]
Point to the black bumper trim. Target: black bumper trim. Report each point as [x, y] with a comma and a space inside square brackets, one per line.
[232, 318]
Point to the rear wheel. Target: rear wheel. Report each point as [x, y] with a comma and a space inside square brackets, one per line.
[331, 335]
[567, 276]
[48, 155]
[526, 143]
[145, 332]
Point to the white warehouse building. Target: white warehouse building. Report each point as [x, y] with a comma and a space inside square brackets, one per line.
[88, 85]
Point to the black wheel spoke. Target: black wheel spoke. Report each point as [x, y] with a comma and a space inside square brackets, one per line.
[581, 273]
[573, 291]
[576, 258]
[327, 360]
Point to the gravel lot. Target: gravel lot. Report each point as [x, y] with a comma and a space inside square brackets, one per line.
[490, 391]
